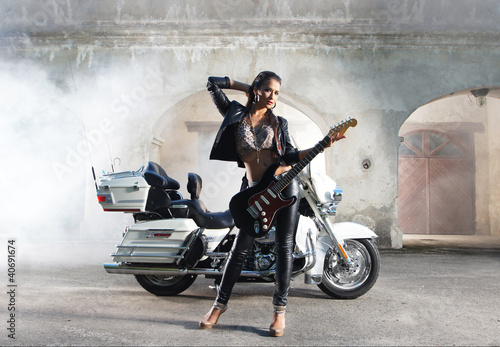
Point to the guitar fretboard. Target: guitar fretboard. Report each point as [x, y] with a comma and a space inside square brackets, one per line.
[297, 168]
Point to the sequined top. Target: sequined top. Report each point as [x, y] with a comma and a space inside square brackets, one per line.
[248, 141]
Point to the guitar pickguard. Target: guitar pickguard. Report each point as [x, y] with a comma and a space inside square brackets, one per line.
[264, 205]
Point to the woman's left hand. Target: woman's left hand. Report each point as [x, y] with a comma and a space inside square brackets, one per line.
[335, 138]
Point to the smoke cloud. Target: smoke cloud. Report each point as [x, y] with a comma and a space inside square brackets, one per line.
[60, 119]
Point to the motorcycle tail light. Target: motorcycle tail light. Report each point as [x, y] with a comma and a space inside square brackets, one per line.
[105, 198]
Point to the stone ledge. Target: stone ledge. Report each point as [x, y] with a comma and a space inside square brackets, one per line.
[165, 37]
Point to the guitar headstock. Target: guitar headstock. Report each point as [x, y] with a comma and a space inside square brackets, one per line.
[342, 127]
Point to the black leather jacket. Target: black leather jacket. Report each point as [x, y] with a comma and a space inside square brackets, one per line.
[224, 147]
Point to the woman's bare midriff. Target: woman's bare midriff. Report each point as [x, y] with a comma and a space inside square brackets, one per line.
[255, 169]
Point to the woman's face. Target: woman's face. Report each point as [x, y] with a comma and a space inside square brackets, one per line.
[268, 93]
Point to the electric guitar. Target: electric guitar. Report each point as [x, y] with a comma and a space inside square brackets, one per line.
[254, 209]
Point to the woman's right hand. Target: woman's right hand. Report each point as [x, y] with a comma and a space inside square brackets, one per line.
[236, 85]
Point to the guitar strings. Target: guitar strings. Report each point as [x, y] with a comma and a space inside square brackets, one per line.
[285, 181]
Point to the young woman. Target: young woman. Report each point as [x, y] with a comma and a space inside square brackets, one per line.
[254, 137]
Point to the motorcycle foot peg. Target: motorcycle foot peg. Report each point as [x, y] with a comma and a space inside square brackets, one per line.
[214, 286]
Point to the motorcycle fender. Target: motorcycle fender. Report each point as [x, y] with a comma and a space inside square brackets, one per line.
[350, 230]
[342, 231]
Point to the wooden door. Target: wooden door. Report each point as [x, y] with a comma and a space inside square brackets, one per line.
[436, 183]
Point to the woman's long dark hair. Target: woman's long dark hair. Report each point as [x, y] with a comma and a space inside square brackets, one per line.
[257, 83]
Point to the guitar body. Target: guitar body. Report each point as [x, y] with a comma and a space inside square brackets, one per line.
[254, 209]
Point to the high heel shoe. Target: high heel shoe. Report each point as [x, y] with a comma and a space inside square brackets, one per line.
[212, 317]
[277, 327]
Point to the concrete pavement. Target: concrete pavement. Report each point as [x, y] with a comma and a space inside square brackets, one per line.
[433, 295]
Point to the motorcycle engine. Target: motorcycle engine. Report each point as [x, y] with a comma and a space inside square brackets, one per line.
[262, 256]
[264, 261]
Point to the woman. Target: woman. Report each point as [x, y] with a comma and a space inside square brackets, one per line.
[255, 138]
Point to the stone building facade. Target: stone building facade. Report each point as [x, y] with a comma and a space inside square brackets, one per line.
[126, 79]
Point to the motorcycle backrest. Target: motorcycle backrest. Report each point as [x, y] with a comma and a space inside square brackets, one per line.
[194, 185]
[158, 201]
[157, 177]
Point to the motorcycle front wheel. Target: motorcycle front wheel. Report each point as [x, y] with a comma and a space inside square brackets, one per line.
[349, 281]
[165, 285]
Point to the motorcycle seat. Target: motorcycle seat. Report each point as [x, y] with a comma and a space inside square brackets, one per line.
[207, 219]
[157, 177]
[195, 209]
[204, 219]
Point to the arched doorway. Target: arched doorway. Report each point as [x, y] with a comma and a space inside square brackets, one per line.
[447, 166]
[184, 135]
[436, 183]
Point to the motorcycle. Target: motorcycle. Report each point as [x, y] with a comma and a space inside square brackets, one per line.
[173, 240]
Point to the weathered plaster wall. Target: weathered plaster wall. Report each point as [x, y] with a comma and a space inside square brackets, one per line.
[494, 165]
[120, 66]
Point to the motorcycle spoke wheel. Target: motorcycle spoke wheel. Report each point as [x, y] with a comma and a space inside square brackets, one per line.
[349, 281]
[165, 285]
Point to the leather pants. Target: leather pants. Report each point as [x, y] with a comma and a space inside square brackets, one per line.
[286, 228]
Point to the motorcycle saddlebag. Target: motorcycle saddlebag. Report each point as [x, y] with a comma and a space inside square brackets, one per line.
[159, 241]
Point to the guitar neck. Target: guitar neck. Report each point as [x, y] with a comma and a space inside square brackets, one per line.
[297, 168]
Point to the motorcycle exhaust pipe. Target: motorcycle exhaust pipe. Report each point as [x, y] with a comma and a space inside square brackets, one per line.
[136, 270]
[132, 270]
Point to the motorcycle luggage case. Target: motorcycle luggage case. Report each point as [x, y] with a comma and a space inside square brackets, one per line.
[157, 241]
[123, 192]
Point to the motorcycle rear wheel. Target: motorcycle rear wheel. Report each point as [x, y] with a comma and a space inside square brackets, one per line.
[165, 285]
[342, 281]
